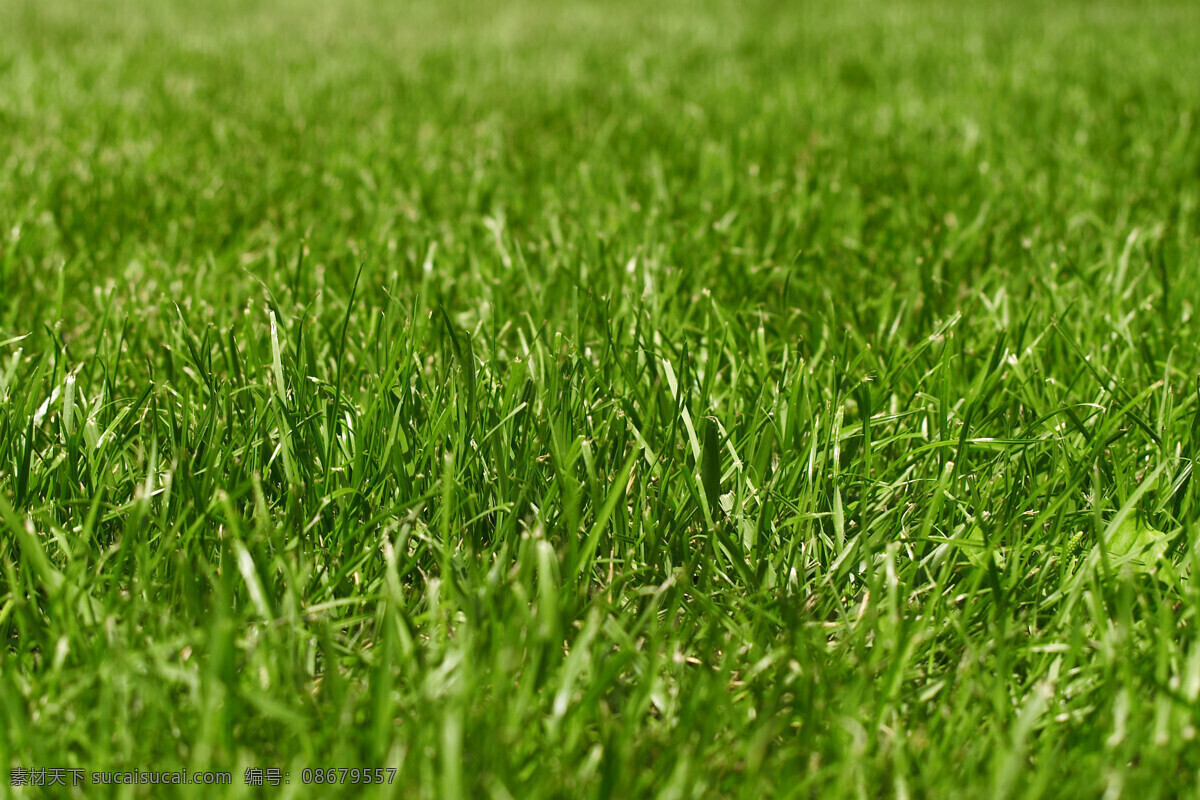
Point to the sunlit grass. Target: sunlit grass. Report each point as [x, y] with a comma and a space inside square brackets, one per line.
[580, 399]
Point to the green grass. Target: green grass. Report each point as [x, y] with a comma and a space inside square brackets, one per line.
[579, 400]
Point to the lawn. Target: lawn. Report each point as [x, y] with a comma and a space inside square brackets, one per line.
[584, 399]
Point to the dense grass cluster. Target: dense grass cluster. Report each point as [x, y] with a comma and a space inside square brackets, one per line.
[600, 400]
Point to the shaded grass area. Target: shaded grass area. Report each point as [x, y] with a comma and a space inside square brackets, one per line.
[574, 399]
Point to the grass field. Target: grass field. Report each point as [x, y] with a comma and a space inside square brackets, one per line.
[601, 400]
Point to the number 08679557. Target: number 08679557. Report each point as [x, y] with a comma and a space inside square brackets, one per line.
[348, 775]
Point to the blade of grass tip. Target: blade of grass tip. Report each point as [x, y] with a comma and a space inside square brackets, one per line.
[190, 342]
[23, 472]
[298, 271]
[469, 369]
[277, 361]
[710, 470]
[334, 415]
[465, 361]
[685, 415]
[610, 503]
[285, 433]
